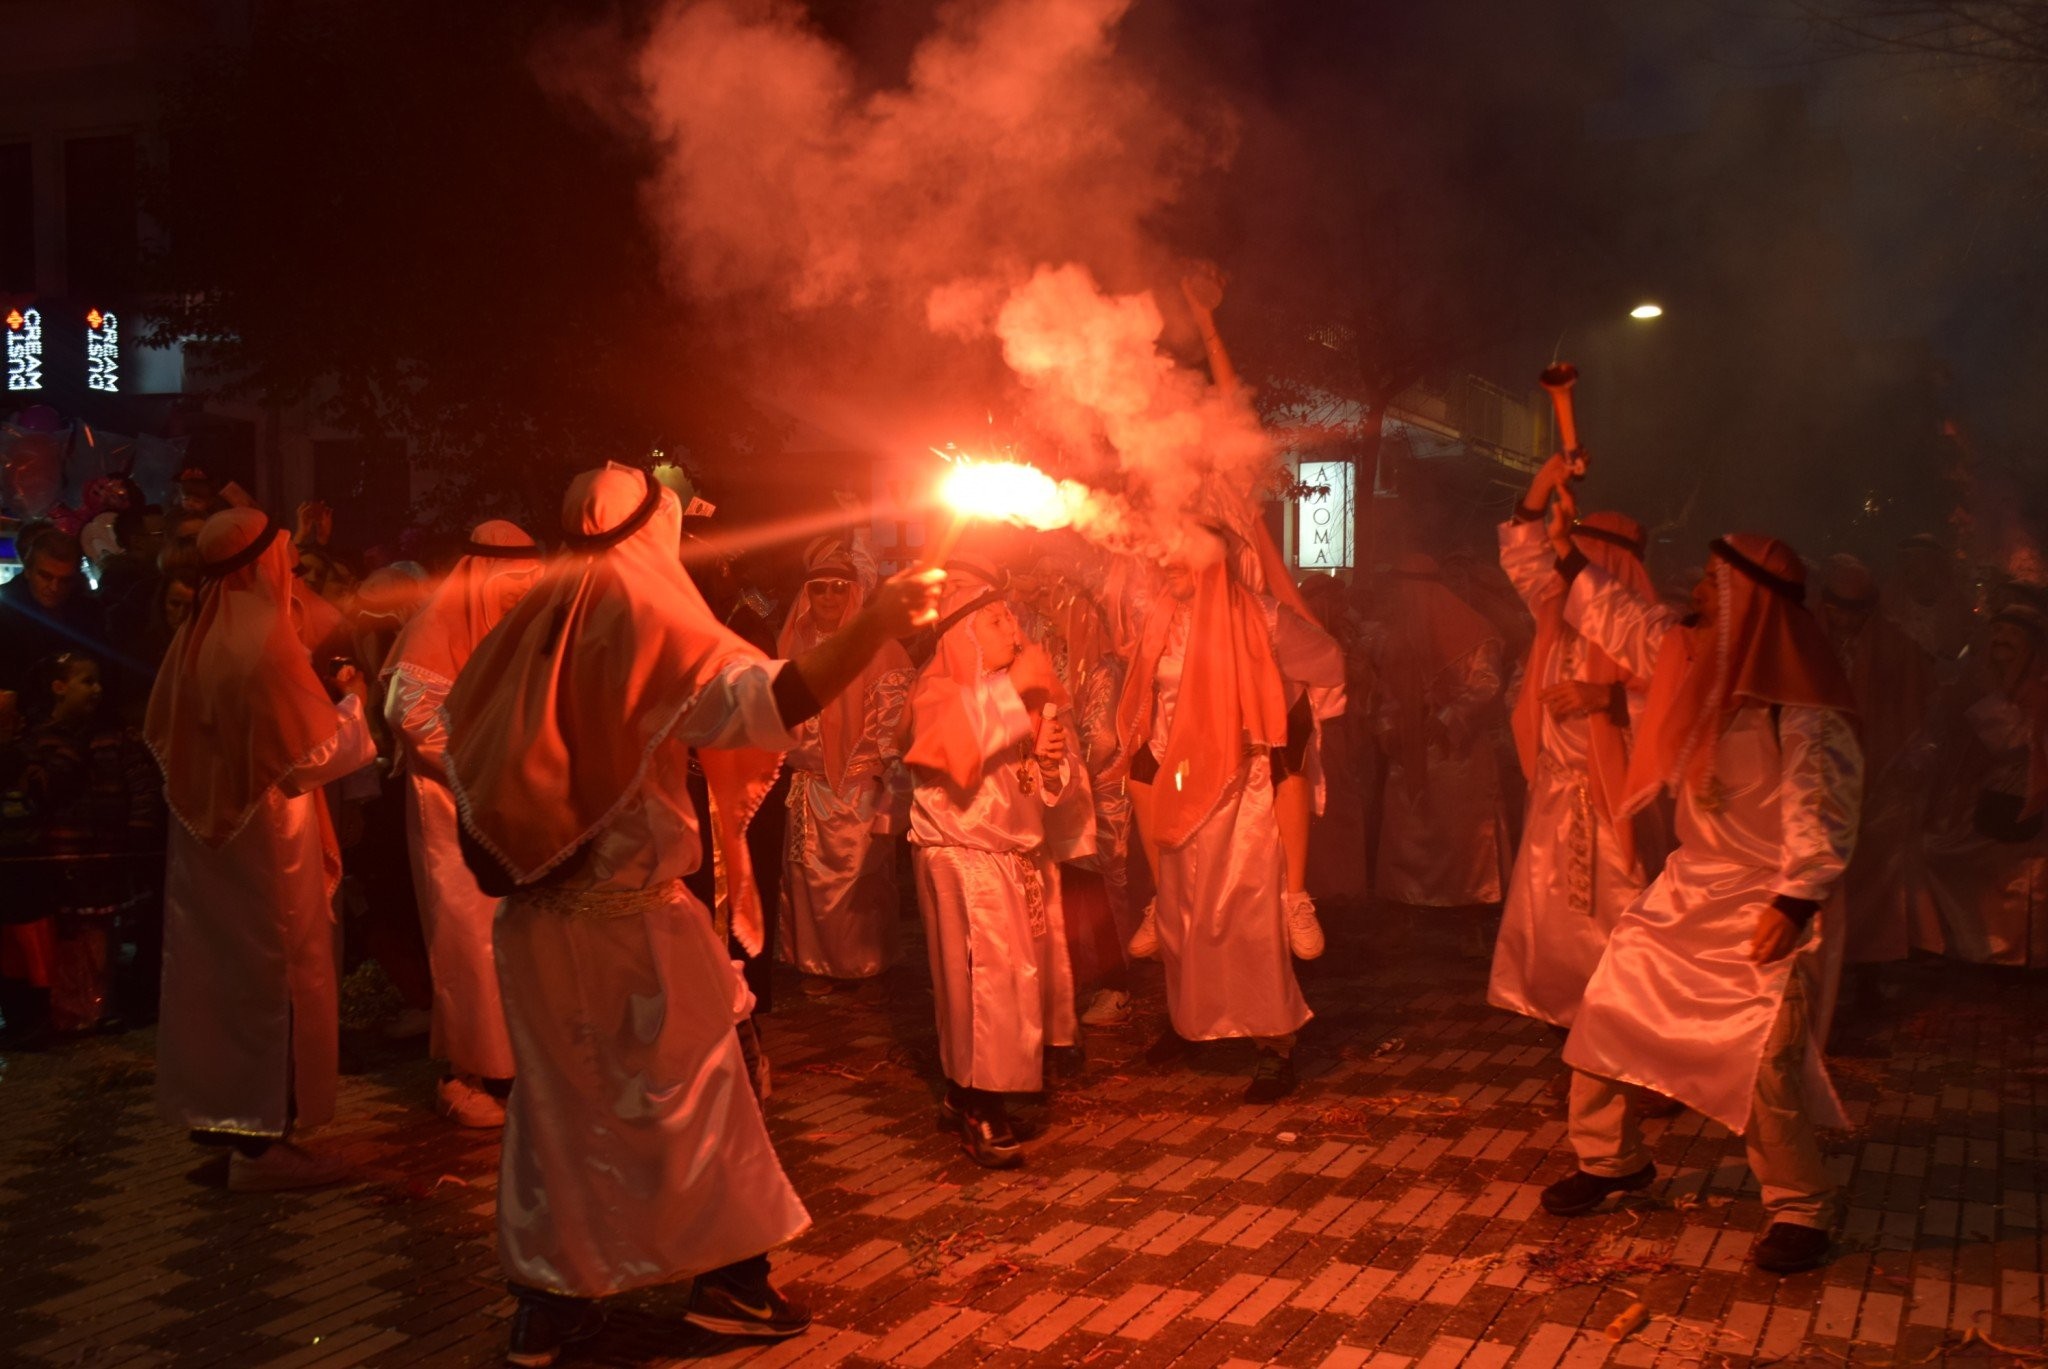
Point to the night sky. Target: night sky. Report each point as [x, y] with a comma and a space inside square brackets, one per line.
[1847, 245]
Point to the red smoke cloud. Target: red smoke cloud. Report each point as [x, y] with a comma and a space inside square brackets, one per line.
[880, 249]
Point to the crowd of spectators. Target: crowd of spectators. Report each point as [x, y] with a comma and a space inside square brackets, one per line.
[85, 622]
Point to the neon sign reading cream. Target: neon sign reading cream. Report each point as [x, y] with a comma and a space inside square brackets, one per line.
[24, 349]
[1322, 537]
[102, 352]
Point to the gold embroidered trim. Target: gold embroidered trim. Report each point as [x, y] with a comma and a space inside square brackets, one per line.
[600, 902]
[1578, 836]
[1033, 884]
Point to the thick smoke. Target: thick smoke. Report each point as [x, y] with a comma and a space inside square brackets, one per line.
[878, 249]
[1094, 365]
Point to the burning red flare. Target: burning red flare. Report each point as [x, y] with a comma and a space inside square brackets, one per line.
[94, 319]
[998, 491]
[1004, 490]
[15, 320]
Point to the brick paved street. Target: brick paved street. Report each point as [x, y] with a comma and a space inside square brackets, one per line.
[1384, 1216]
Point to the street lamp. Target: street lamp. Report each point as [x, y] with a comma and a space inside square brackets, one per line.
[1647, 311]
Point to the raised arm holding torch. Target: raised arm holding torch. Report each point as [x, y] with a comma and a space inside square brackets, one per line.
[1558, 378]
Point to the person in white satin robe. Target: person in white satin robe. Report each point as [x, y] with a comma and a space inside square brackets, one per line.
[1581, 862]
[1893, 680]
[1063, 616]
[848, 793]
[246, 734]
[1204, 721]
[634, 1149]
[1001, 798]
[498, 566]
[1928, 600]
[1444, 839]
[1297, 776]
[1983, 886]
[1718, 982]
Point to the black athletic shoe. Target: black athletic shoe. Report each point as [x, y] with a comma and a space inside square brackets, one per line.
[543, 1324]
[985, 1134]
[1583, 1192]
[1272, 1080]
[952, 1110]
[755, 1310]
[1170, 1047]
[1788, 1248]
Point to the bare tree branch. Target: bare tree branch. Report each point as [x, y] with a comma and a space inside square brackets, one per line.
[1994, 33]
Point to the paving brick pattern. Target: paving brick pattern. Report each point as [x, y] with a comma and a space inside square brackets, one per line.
[1384, 1217]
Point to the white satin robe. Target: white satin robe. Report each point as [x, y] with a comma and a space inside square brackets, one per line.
[248, 1041]
[469, 1018]
[839, 896]
[988, 887]
[634, 1149]
[1220, 912]
[1982, 899]
[1571, 881]
[1676, 1004]
[1444, 843]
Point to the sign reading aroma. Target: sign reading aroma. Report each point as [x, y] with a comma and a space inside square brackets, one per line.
[1323, 512]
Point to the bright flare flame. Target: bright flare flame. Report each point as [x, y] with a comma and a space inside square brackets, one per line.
[1005, 490]
[1647, 311]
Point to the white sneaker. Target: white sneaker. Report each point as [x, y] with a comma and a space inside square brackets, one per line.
[466, 1105]
[1145, 941]
[283, 1165]
[1109, 1008]
[1304, 933]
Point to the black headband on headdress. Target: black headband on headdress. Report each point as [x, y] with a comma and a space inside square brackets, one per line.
[220, 570]
[968, 609]
[925, 645]
[997, 578]
[2023, 616]
[611, 537]
[1632, 545]
[1776, 584]
[496, 553]
[832, 568]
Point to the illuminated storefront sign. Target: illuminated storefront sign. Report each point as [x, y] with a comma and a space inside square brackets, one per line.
[102, 352]
[24, 349]
[1323, 526]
